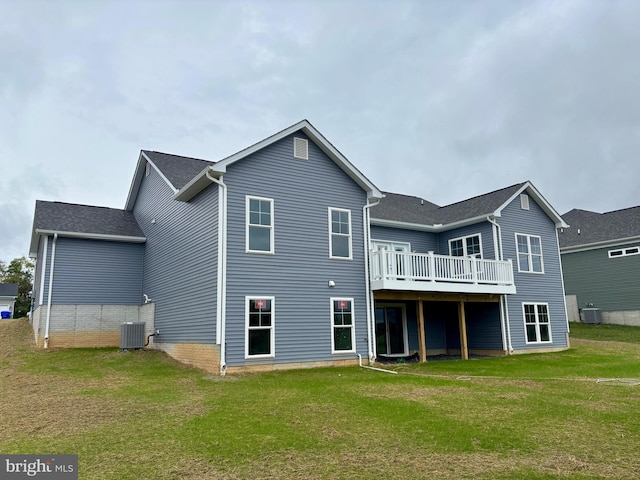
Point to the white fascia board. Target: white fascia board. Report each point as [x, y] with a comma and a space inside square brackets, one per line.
[597, 245]
[137, 180]
[309, 130]
[540, 200]
[195, 185]
[431, 228]
[93, 236]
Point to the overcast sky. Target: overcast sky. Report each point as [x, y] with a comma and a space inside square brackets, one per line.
[440, 99]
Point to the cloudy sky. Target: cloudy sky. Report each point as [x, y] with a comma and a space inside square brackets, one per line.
[441, 99]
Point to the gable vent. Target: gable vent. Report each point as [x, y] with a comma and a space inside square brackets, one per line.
[301, 148]
[524, 201]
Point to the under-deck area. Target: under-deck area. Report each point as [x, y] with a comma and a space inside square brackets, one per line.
[437, 324]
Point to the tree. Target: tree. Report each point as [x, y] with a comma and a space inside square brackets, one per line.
[20, 271]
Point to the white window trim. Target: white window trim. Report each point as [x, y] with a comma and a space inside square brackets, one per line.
[272, 339]
[353, 325]
[301, 148]
[524, 321]
[271, 228]
[529, 254]
[391, 245]
[624, 252]
[524, 201]
[350, 257]
[464, 244]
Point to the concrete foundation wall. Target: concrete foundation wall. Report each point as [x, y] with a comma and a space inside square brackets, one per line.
[81, 326]
[629, 317]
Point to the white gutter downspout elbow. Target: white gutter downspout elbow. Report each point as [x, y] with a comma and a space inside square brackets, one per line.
[504, 306]
[366, 227]
[221, 288]
[53, 259]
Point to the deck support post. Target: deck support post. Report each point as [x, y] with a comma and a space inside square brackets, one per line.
[422, 344]
[463, 331]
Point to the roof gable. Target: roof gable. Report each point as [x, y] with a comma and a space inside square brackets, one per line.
[200, 182]
[592, 228]
[83, 221]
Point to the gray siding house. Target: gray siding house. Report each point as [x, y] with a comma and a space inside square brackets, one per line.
[8, 295]
[600, 262]
[285, 255]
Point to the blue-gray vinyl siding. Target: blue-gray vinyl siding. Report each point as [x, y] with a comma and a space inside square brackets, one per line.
[180, 263]
[299, 271]
[611, 284]
[94, 272]
[421, 242]
[534, 287]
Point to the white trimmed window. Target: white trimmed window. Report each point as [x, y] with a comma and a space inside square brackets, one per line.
[259, 321]
[470, 246]
[536, 322]
[529, 253]
[624, 252]
[342, 325]
[524, 201]
[259, 214]
[339, 233]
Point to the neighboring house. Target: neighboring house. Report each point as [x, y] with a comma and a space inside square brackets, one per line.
[600, 262]
[285, 255]
[8, 295]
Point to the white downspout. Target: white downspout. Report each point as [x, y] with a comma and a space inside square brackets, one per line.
[221, 289]
[504, 306]
[564, 293]
[53, 259]
[366, 227]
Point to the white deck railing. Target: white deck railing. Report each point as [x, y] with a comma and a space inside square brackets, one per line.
[429, 267]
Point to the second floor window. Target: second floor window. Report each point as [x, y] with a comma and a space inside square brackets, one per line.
[466, 247]
[529, 253]
[260, 225]
[340, 233]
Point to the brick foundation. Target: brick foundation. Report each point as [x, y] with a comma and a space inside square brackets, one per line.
[199, 355]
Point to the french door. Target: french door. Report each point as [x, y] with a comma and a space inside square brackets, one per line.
[391, 330]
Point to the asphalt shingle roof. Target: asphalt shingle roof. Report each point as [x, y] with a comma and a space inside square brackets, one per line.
[8, 289]
[70, 217]
[404, 208]
[599, 227]
[179, 170]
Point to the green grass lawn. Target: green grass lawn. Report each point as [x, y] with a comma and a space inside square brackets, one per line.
[140, 415]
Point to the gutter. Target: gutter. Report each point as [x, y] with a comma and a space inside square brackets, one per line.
[221, 287]
[504, 307]
[366, 227]
[53, 259]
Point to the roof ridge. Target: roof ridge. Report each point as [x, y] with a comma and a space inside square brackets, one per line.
[79, 204]
[180, 156]
[486, 194]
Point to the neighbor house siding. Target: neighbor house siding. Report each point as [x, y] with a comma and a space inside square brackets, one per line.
[298, 272]
[534, 287]
[421, 242]
[180, 262]
[610, 284]
[96, 272]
